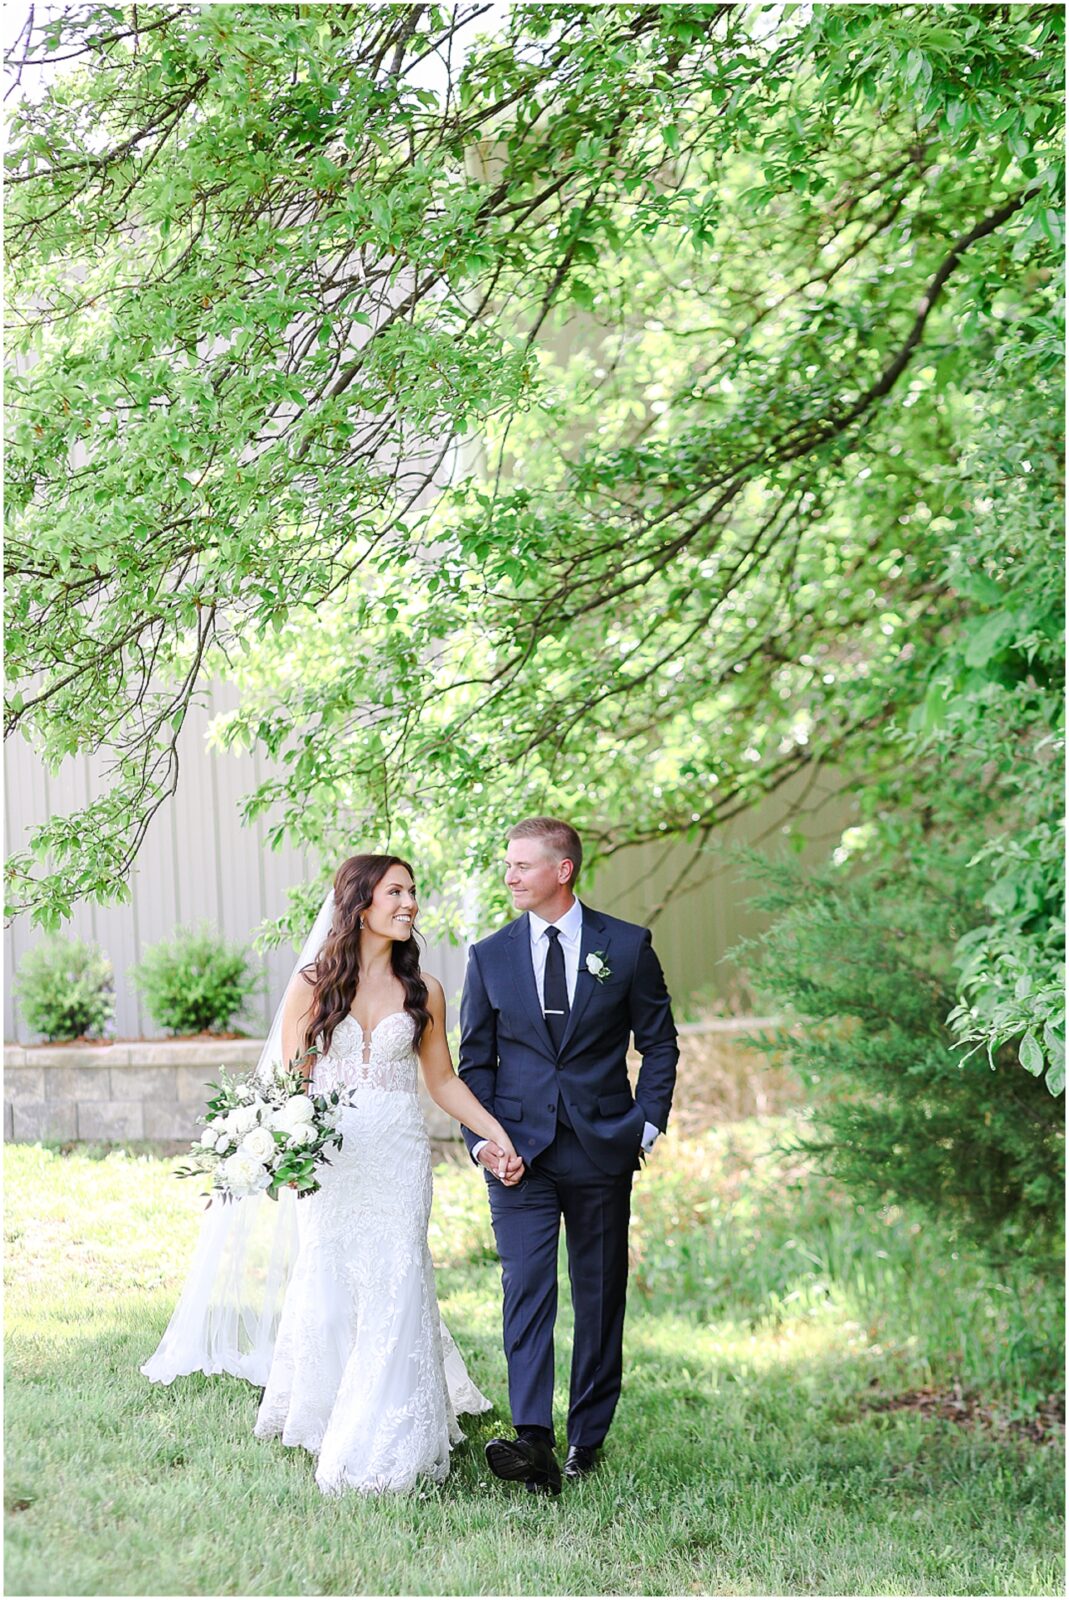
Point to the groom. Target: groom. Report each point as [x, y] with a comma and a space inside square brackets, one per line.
[549, 1004]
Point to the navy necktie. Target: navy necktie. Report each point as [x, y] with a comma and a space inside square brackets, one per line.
[555, 989]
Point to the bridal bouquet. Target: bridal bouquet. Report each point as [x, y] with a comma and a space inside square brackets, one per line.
[265, 1132]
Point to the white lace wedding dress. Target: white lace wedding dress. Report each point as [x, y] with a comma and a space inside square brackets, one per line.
[365, 1374]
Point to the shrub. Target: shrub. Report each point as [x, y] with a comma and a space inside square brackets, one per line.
[901, 1114]
[66, 988]
[195, 982]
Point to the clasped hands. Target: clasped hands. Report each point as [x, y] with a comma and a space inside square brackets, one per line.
[505, 1165]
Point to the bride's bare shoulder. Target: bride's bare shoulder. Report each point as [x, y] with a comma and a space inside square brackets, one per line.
[435, 992]
[299, 993]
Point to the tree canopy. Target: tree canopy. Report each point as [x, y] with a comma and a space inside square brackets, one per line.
[576, 418]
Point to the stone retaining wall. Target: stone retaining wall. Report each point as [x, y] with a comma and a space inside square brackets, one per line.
[110, 1093]
[156, 1089]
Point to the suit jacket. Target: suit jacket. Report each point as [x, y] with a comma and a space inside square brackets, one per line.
[508, 1061]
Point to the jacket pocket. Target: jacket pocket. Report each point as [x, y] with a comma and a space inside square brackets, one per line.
[614, 1105]
[513, 1109]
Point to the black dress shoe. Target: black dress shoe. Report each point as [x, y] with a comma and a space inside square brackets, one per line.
[580, 1461]
[538, 1488]
[527, 1461]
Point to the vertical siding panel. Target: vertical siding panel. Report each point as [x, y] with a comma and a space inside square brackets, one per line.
[448, 963]
[198, 862]
[240, 872]
[70, 793]
[270, 962]
[238, 878]
[34, 797]
[278, 870]
[283, 869]
[140, 1015]
[11, 1030]
[694, 930]
[224, 914]
[154, 915]
[192, 828]
[27, 800]
[116, 929]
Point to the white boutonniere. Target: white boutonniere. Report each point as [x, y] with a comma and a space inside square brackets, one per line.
[596, 966]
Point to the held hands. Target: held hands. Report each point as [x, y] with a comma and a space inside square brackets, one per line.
[500, 1158]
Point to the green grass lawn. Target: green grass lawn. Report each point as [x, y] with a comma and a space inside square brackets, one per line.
[787, 1358]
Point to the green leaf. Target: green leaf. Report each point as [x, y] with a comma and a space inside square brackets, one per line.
[1055, 1044]
[1030, 1054]
[987, 638]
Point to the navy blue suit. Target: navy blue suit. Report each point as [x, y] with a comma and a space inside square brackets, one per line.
[573, 1119]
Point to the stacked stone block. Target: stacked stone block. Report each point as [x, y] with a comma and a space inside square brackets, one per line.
[110, 1093]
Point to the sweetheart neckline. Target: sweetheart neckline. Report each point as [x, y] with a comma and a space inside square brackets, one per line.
[352, 1017]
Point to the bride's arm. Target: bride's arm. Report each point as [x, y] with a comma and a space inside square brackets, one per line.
[443, 1085]
[295, 1014]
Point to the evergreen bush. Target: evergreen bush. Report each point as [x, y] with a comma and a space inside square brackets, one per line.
[900, 1112]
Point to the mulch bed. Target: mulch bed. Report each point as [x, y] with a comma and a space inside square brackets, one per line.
[954, 1404]
[167, 1038]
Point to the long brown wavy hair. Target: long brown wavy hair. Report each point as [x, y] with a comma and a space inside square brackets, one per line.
[336, 970]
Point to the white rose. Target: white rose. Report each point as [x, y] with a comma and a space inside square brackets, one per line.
[299, 1108]
[303, 1133]
[244, 1176]
[241, 1119]
[259, 1145]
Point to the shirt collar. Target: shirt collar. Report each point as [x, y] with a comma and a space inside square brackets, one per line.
[569, 926]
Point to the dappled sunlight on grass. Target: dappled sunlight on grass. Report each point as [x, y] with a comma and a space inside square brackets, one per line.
[460, 1228]
[740, 1231]
[745, 1456]
[471, 1308]
[739, 1346]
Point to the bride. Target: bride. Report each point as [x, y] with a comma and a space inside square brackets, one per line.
[329, 1301]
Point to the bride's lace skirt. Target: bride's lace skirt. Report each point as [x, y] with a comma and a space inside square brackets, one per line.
[364, 1374]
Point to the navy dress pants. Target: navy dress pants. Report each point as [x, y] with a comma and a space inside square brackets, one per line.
[596, 1208]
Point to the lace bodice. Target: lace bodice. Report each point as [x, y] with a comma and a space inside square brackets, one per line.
[384, 1059]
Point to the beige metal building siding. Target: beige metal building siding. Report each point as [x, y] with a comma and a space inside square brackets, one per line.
[199, 863]
[695, 927]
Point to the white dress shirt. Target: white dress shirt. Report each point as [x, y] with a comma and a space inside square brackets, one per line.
[570, 928]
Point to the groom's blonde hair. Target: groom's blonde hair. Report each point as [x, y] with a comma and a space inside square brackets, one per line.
[561, 837]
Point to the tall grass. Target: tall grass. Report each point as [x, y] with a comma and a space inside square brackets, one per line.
[743, 1234]
[767, 1313]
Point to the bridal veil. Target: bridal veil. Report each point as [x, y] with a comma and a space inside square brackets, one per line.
[227, 1316]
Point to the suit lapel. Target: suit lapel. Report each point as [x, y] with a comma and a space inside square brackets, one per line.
[523, 973]
[593, 937]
